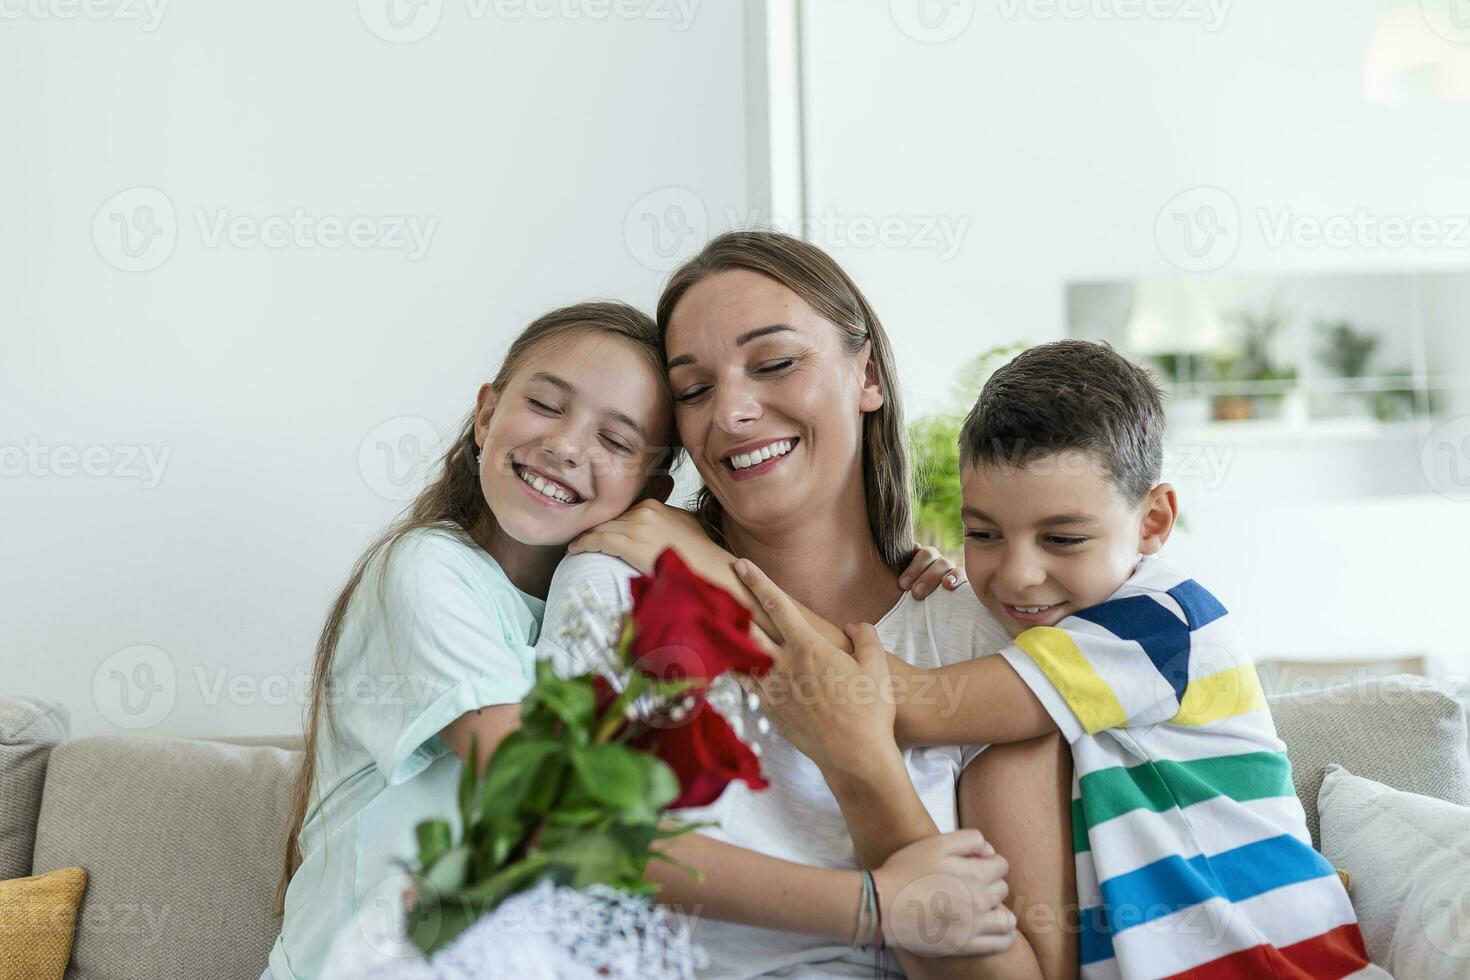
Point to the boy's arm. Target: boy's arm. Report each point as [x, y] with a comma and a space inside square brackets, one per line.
[978, 701]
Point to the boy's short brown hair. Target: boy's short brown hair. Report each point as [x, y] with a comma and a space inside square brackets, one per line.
[1071, 395]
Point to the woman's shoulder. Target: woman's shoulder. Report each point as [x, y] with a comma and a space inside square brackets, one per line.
[589, 577]
[955, 625]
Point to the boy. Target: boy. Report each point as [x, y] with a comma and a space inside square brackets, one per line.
[1193, 857]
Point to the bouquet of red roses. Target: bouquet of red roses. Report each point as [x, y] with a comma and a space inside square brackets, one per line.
[577, 796]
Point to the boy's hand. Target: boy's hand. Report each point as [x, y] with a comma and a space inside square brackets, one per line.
[928, 570]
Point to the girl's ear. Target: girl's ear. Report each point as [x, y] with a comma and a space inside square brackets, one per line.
[871, 398]
[485, 401]
[1160, 511]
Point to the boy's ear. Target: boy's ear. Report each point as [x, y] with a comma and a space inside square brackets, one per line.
[659, 488]
[1160, 511]
[485, 401]
[872, 397]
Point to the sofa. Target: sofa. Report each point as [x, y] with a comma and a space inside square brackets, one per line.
[182, 838]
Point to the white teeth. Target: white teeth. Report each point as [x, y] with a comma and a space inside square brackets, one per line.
[747, 460]
[545, 487]
[1030, 609]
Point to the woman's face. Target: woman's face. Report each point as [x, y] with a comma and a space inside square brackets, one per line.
[767, 402]
[573, 439]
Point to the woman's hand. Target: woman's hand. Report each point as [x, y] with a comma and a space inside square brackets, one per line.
[646, 529]
[944, 895]
[928, 570]
[837, 708]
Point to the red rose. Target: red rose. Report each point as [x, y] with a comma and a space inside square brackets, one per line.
[705, 754]
[687, 628]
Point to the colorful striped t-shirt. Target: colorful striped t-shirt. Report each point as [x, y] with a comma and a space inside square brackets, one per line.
[1193, 856]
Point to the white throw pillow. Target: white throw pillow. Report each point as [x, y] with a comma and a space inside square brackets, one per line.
[1408, 860]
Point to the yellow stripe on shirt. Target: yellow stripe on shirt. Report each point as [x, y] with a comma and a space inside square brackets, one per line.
[1086, 693]
[1231, 692]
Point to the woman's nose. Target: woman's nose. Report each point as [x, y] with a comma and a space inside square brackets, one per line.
[735, 407]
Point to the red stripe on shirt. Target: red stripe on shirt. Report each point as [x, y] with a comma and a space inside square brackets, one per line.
[1333, 954]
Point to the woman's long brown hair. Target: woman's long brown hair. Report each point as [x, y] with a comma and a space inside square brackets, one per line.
[453, 501]
[816, 277]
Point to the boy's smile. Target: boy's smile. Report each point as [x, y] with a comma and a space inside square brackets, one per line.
[1054, 536]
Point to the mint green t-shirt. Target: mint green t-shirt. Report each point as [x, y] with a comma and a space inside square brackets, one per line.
[442, 632]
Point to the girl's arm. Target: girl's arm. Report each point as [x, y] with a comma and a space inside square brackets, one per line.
[640, 534]
[487, 727]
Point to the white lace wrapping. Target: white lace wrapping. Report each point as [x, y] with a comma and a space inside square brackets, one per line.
[546, 933]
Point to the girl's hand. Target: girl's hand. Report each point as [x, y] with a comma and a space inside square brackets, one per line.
[836, 708]
[646, 529]
[943, 896]
[928, 571]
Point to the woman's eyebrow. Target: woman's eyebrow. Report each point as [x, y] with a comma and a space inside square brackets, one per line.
[571, 389]
[740, 341]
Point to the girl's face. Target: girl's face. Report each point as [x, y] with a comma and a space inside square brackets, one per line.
[573, 439]
[767, 402]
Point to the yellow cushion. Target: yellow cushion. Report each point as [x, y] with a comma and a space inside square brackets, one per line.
[38, 918]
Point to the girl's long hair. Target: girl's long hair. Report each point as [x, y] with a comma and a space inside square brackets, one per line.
[453, 501]
[816, 277]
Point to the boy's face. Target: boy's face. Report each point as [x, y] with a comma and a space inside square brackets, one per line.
[1054, 536]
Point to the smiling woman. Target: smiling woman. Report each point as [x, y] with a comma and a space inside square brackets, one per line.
[786, 399]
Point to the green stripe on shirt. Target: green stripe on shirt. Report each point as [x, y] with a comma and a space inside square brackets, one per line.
[1163, 785]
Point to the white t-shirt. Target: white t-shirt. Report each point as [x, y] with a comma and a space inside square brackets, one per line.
[797, 818]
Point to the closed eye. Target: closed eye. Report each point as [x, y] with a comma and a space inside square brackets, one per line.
[1063, 541]
[691, 394]
[542, 406]
[777, 367]
[617, 444]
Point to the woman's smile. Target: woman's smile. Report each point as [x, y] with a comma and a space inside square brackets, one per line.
[755, 459]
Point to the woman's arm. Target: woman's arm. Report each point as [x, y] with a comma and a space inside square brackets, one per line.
[957, 872]
[851, 740]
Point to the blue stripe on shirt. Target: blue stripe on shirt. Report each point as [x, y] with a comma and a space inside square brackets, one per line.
[1161, 634]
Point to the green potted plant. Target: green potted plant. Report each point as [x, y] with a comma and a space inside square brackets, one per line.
[934, 447]
[1249, 359]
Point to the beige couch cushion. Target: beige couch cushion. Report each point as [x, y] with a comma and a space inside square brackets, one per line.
[182, 841]
[29, 729]
[1401, 731]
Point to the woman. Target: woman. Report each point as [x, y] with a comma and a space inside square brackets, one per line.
[785, 399]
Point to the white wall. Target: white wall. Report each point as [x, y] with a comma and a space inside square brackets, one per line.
[1057, 142]
[264, 373]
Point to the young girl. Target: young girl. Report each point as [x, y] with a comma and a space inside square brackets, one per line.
[431, 641]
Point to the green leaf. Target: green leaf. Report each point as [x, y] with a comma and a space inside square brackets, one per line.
[547, 785]
[570, 699]
[506, 881]
[434, 839]
[447, 874]
[432, 925]
[591, 857]
[468, 780]
[510, 776]
[638, 786]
